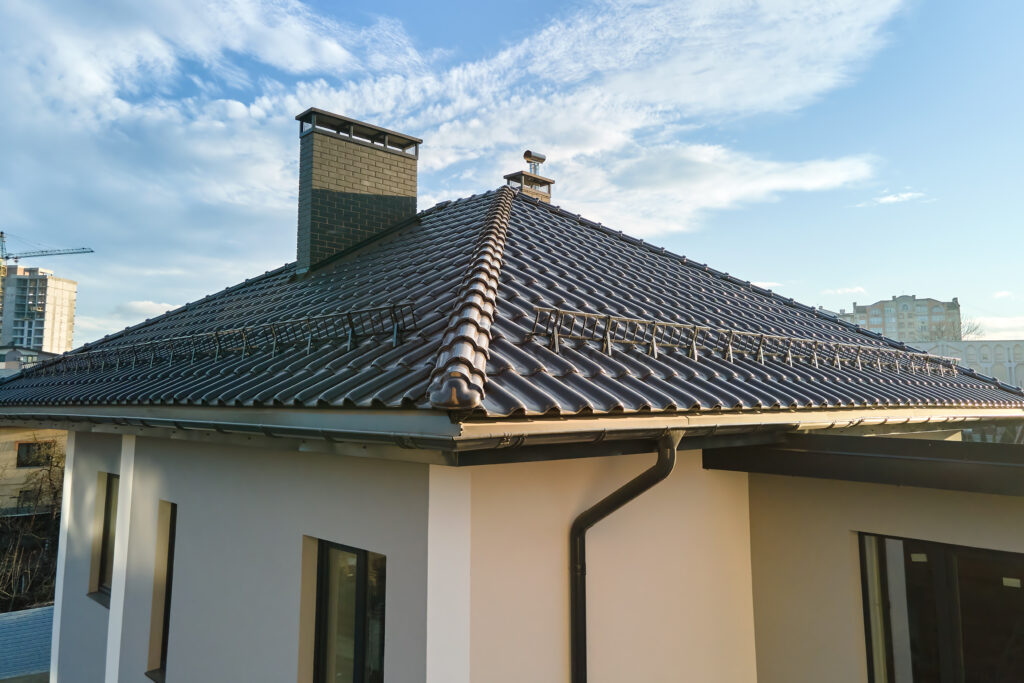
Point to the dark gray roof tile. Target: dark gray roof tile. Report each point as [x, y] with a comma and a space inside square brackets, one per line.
[471, 273]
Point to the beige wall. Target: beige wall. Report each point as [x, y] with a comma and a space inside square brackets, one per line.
[13, 478]
[82, 626]
[669, 574]
[806, 567]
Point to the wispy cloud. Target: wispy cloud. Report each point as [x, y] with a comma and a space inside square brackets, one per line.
[894, 198]
[169, 131]
[844, 290]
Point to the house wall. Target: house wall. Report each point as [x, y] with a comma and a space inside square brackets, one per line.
[13, 478]
[82, 627]
[241, 517]
[669, 594]
[806, 564]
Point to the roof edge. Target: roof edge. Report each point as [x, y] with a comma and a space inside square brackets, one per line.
[460, 372]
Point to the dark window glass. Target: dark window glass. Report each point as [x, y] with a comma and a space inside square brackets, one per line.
[940, 613]
[350, 615]
[33, 454]
[106, 572]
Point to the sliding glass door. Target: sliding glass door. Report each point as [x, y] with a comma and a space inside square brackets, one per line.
[938, 613]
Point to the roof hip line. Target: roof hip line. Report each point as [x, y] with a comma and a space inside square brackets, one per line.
[460, 372]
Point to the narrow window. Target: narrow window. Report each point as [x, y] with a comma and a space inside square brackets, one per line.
[105, 571]
[350, 615]
[163, 573]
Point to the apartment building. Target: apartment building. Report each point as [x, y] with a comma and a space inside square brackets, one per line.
[907, 318]
[38, 310]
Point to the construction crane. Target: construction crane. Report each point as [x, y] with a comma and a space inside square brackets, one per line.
[6, 255]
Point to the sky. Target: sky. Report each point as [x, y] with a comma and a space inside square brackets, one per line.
[834, 151]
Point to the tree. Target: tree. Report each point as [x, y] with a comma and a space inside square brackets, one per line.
[28, 539]
[970, 328]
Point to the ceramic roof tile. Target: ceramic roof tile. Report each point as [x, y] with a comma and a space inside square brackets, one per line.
[465, 279]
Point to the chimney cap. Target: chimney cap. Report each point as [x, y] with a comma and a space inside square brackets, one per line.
[529, 179]
[534, 157]
[336, 123]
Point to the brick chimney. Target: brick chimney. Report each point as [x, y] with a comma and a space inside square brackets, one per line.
[355, 180]
[530, 182]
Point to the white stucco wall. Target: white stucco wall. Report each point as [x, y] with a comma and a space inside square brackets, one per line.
[806, 565]
[669, 575]
[241, 517]
[669, 594]
[83, 621]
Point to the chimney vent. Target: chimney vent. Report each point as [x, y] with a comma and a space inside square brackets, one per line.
[355, 180]
[531, 182]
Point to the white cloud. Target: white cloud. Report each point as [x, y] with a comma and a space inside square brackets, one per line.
[894, 198]
[142, 309]
[1002, 327]
[1002, 295]
[169, 125]
[122, 315]
[844, 290]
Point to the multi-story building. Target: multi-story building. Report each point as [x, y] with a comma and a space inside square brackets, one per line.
[1002, 359]
[907, 318]
[38, 310]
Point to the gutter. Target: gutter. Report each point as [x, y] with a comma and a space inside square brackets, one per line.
[414, 430]
[631, 490]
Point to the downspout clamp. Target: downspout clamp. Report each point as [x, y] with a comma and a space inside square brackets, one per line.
[667, 445]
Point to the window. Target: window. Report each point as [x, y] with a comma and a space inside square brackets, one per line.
[103, 543]
[28, 498]
[35, 453]
[940, 613]
[349, 615]
[163, 573]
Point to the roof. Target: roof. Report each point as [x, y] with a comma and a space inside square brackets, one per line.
[25, 642]
[502, 306]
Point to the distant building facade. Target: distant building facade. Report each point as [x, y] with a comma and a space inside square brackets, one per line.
[907, 318]
[15, 358]
[38, 310]
[1002, 359]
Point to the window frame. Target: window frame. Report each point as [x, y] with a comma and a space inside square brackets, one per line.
[360, 646]
[949, 625]
[19, 463]
[105, 538]
[163, 579]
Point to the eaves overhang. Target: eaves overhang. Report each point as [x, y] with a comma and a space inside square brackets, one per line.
[969, 466]
[478, 441]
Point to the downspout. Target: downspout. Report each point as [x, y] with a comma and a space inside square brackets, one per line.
[578, 550]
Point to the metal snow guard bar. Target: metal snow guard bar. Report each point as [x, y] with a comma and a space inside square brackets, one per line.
[557, 324]
[270, 337]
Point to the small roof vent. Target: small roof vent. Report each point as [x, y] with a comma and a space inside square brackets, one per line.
[531, 182]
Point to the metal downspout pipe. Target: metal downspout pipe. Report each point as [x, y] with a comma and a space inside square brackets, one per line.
[578, 550]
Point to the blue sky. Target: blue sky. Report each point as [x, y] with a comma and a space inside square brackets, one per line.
[843, 151]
